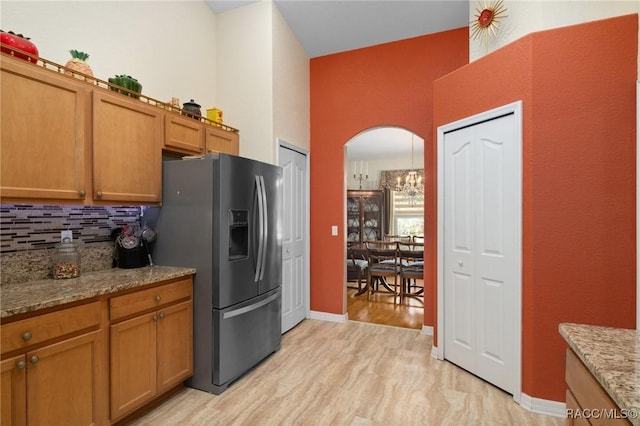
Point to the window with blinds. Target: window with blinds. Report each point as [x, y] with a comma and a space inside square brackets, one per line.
[407, 214]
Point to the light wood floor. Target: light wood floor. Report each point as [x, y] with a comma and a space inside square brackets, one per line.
[380, 309]
[352, 373]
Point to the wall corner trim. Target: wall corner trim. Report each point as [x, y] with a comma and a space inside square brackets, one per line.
[543, 406]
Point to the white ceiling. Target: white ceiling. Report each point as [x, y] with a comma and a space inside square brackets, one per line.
[384, 143]
[326, 27]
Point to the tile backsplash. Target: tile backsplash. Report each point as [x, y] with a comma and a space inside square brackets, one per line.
[28, 234]
[33, 227]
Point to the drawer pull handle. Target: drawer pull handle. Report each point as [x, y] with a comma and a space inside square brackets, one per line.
[161, 315]
[26, 336]
[158, 298]
[34, 359]
[21, 365]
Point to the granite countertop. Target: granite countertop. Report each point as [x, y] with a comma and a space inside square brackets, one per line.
[612, 355]
[33, 295]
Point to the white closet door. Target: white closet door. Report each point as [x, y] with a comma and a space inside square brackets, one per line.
[481, 178]
[294, 256]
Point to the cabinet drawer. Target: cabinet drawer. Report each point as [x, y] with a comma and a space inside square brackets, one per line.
[132, 303]
[30, 331]
[587, 391]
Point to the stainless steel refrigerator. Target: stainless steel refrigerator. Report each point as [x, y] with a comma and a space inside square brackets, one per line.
[222, 215]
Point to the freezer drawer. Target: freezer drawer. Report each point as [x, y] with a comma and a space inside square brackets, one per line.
[244, 335]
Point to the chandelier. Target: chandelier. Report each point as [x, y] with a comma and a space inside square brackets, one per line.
[411, 186]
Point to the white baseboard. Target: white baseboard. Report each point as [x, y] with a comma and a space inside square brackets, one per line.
[434, 352]
[325, 316]
[427, 330]
[543, 406]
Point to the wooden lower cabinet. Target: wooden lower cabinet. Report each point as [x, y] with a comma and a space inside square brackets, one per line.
[151, 352]
[13, 391]
[587, 401]
[59, 368]
[55, 384]
[62, 382]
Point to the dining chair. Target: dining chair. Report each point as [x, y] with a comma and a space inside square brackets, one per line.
[417, 239]
[411, 271]
[383, 265]
[357, 266]
[397, 238]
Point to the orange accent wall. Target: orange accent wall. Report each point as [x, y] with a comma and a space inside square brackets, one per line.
[385, 85]
[578, 87]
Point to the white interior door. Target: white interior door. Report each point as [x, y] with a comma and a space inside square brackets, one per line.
[294, 288]
[481, 273]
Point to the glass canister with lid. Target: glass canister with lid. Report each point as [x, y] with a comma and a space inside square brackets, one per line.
[66, 260]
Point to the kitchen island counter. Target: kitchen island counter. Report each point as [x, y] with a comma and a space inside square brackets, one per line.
[612, 355]
[20, 298]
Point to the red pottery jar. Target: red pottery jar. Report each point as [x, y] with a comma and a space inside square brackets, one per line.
[19, 46]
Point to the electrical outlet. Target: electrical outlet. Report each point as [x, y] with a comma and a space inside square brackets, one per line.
[334, 230]
[66, 235]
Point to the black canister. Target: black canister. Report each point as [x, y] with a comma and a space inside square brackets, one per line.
[193, 108]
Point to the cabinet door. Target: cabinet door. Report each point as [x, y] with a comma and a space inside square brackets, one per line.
[133, 363]
[175, 345]
[354, 233]
[183, 134]
[44, 133]
[365, 215]
[372, 210]
[64, 382]
[219, 140]
[127, 149]
[13, 392]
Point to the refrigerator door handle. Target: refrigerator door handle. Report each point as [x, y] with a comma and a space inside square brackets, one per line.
[256, 277]
[250, 308]
[265, 234]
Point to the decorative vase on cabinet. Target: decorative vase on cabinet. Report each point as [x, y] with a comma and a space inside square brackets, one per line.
[365, 215]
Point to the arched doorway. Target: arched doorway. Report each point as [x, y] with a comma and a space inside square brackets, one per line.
[376, 161]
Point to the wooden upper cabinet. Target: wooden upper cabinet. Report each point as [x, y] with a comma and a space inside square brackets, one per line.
[127, 152]
[219, 140]
[45, 134]
[183, 134]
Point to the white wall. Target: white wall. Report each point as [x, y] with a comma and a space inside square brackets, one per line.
[528, 16]
[169, 46]
[263, 80]
[375, 167]
[291, 100]
[245, 75]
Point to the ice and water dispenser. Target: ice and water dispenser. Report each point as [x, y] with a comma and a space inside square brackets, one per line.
[238, 234]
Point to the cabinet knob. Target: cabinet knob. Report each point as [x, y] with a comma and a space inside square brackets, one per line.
[34, 359]
[99, 194]
[20, 365]
[161, 315]
[154, 318]
[27, 336]
[158, 298]
[201, 149]
[460, 262]
[82, 193]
